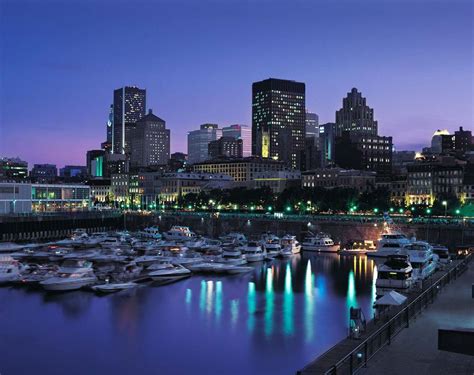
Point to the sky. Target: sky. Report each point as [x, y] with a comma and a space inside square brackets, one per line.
[61, 60]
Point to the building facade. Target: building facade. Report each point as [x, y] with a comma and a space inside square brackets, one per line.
[150, 142]
[277, 180]
[13, 169]
[129, 106]
[362, 181]
[355, 115]
[242, 132]
[44, 173]
[198, 142]
[225, 147]
[312, 125]
[327, 141]
[279, 120]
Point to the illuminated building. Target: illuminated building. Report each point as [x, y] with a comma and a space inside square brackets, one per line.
[355, 115]
[198, 142]
[242, 132]
[312, 125]
[44, 173]
[327, 136]
[129, 107]
[279, 120]
[225, 147]
[96, 163]
[13, 169]
[338, 177]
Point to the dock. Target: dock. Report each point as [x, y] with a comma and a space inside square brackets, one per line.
[351, 355]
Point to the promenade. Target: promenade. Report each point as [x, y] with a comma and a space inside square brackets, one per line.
[414, 350]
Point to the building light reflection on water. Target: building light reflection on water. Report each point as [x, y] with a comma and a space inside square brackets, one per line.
[234, 312]
[288, 326]
[202, 296]
[209, 294]
[218, 300]
[269, 301]
[252, 306]
[351, 300]
[309, 305]
[189, 295]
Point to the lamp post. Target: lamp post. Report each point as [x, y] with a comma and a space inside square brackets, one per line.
[445, 204]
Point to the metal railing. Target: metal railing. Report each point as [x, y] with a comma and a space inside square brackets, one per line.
[359, 356]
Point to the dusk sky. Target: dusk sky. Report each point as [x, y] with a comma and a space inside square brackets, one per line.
[61, 61]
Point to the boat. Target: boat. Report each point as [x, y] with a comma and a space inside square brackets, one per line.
[422, 259]
[233, 238]
[319, 242]
[443, 254]
[291, 242]
[271, 244]
[285, 252]
[10, 247]
[253, 252]
[206, 267]
[233, 256]
[395, 273]
[177, 272]
[179, 233]
[113, 287]
[390, 243]
[152, 232]
[38, 273]
[72, 275]
[9, 269]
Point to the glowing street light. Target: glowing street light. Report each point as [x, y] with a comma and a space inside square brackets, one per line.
[445, 204]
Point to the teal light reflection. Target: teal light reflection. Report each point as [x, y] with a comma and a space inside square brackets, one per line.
[189, 295]
[309, 303]
[234, 312]
[270, 303]
[252, 306]
[202, 296]
[351, 300]
[218, 300]
[374, 288]
[288, 326]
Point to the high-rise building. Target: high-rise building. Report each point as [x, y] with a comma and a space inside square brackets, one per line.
[279, 120]
[13, 169]
[44, 173]
[73, 173]
[110, 123]
[225, 147]
[129, 107]
[438, 140]
[462, 140]
[355, 115]
[96, 160]
[327, 136]
[242, 132]
[150, 142]
[198, 142]
[312, 124]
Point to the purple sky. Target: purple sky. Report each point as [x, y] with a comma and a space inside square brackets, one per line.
[61, 60]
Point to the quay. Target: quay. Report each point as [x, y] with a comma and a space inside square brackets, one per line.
[415, 350]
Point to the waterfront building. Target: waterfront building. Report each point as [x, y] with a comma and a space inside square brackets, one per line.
[96, 160]
[119, 183]
[463, 140]
[13, 169]
[355, 115]
[198, 142]
[398, 191]
[225, 147]
[468, 184]
[150, 142]
[240, 169]
[242, 132]
[117, 163]
[15, 198]
[312, 125]
[276, 180]
[365, 152]
[44, 173]
[174, 185]
[279, 120]
[327, 140]
[60, 197]
[128, 107]
[338, 177]
[101, 191]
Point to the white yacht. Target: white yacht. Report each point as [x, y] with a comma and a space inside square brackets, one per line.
[233, 238]
[152, 232]
[289, 241]
[233, 256]
[390, 243]
[443, 254]
[72, 275]
[206, 267]
[285, 252]
[271, 244]
[253, 252]
[177, 272]
[179, 233]
[422, 259]
[395, 273]
[320, 242]
[9, 269]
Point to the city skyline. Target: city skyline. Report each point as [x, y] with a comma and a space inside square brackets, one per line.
[56, 96]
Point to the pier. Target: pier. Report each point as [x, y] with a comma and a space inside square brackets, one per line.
[419, 339]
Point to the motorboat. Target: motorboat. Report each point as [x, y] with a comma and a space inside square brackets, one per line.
[177, 272]
[179, 233]
[146, 260]
[160, 265]
[253, 252]
[319, 242]
[113, 287]
[285, 252]
[233, 238]
[9, 269]
[291, 242]
[38, 273]
[206, 267]
[358, 248]
[152, 232]
[443, 254]
[395, 273]
[271, 244]
[113, 242]
[422, 259]
[72, 275]
[232, 256]
[390, 243]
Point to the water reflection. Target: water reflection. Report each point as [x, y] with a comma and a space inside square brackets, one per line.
[309, 303]
[288, 326]
[269, 303]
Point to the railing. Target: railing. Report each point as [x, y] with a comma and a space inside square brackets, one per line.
[359, 357]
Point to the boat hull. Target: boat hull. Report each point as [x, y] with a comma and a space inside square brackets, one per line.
[320, 249]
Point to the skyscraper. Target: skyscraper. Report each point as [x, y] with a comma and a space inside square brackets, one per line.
[225, 147]
[312, 125]
[355, 115]
[198, 142]
[242, 132]
[110, 122]
[327, 135]
[279, 120]
[129, 106]
[150, 142]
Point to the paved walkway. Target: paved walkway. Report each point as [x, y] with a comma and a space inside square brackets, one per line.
[414, 350]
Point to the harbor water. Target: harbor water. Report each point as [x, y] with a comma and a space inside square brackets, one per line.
[273, 320]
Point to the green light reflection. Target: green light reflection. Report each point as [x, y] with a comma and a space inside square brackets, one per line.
[288, 327]
[234, 312]
[269, 299]
[252, 306]
[202, 296]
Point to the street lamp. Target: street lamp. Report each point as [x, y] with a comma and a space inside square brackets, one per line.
[445, 204]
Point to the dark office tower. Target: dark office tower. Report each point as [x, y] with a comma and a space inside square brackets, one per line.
[150, 142]
[110, 123]
[312, 125]
[226, 147]
[279, 120]
[327, 137]
[129, 107]
[355, 116]
[462, 140]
